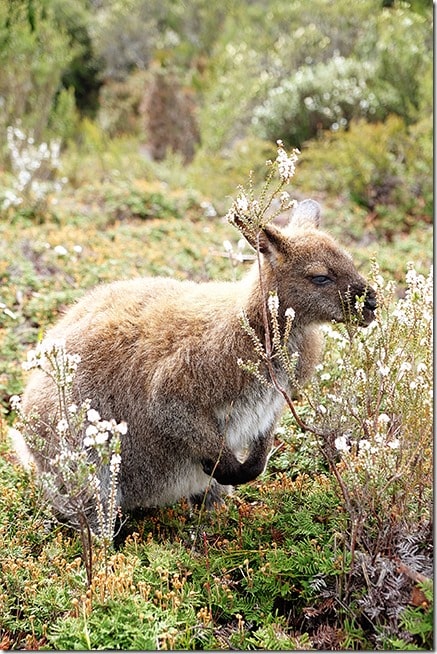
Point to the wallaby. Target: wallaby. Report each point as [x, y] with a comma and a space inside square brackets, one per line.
[163, 356]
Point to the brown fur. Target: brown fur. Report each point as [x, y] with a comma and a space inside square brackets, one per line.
[162, 355]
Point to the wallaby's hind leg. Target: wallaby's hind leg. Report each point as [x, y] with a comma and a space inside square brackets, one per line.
[211, 497]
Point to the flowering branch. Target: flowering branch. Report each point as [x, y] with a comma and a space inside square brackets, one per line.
[83, 445]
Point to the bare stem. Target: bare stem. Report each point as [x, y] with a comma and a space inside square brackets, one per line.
[87, 547]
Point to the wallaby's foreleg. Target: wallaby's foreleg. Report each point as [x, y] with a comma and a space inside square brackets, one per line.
[200, 437]
[228, 470]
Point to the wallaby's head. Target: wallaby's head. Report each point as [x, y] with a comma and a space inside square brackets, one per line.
[310, 272]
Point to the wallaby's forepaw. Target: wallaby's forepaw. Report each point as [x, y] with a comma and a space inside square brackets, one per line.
[212, 497]
[228, 470]
[208, 466]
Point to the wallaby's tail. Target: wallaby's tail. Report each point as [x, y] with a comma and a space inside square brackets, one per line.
[20, 448]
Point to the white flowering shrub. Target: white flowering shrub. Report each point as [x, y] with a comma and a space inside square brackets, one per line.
[275, 347]
[82, 480]
[372, 399]
[322, 96]
[36, 170]
[369, 405]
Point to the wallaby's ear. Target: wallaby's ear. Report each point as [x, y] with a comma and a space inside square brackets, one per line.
[268, 239]
[306, 214]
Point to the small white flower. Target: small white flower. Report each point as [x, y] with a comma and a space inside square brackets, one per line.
[242, 203]
[379, 280]
[273, 303]
[383, 370]
[105, 425]
[322, 409]
[88, 441]
[394, 444]
[52, 346]
[121, 428]
[383, 419]
[15, 402]
[72, 408]
[94, 481]
[93, 415]
[91, 431]
[286, 164]
[341, 444]
[325, 376]
[365, 445]
[77, 249]
[115, 463]
[228, 246]
[62, 426]
[101, 437]
[60, 250]
[290, 313]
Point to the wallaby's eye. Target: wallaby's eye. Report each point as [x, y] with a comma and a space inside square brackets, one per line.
[321, 280]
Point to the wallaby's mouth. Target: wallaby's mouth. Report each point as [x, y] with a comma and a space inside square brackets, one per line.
[368, 311]
[357, 308]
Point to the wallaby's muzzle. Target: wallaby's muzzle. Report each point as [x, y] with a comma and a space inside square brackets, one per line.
[370, 304]
[360, 303]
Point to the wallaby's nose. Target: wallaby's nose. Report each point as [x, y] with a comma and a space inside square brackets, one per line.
[370, 301]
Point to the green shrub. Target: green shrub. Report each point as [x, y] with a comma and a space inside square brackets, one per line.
[401, 47]
[318, 97]
[384, 167]
[34, 52]
[380, 71]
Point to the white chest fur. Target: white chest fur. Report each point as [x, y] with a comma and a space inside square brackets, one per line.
[249, 418]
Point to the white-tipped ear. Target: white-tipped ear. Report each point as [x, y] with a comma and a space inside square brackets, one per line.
[306, 214]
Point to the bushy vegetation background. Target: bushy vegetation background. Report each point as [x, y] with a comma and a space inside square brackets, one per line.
[125, 129]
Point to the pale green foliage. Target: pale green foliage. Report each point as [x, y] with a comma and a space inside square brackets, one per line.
[402, 49]
[380, 71]
[322, 96]
[378, 165]
[314, 66]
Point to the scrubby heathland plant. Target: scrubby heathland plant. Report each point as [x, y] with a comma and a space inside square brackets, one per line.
[369, 411]
[84, 447]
